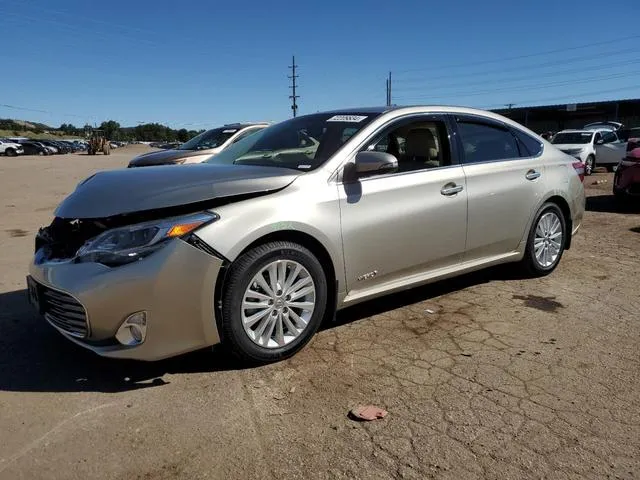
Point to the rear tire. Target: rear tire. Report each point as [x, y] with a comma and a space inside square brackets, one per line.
[10, 152]
[589, 165]
[611, 168]
[290, 287]
[546, 241]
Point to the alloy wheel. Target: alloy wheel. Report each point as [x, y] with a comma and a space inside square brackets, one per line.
[278, 304]
[548, 239]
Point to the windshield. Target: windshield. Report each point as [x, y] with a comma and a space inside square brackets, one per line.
[209, 139]
[303, 143]
[572, 138]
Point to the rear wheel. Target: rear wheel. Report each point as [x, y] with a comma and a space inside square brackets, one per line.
[10, 152]
[589, 165]
[546, 241]
[612, 168]
[273, 302]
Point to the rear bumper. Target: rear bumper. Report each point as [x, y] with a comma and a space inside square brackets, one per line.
[175, 287]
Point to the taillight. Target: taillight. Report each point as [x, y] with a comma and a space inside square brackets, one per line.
[579, 167]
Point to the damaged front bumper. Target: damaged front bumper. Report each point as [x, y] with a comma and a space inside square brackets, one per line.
[88, 302]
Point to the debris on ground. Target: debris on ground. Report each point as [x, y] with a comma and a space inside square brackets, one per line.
[367, 413]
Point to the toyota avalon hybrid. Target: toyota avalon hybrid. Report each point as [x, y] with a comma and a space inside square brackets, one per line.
[256, 246]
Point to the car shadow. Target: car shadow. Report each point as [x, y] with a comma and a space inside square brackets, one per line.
[420, 294]
[35, 358]
[609, 204]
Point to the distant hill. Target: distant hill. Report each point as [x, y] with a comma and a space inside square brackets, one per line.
[23, 125]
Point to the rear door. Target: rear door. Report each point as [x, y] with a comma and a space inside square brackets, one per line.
[505, 181]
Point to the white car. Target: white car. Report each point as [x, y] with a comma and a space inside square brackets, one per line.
[592, 147]
[10, 149]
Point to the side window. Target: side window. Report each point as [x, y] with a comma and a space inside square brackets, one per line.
[609, 137]
[245, 134]
[418, 145]
[528, 146]
[484, 143]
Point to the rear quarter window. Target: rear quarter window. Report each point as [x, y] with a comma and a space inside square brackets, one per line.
[529, 146]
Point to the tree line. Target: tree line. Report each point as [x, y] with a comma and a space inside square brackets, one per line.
[148, 132]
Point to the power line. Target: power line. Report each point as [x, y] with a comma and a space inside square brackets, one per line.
[536, 86]
[535, 66]
[27, 109]
[564, 97]
[520, 78]
[518, 57]
[293, 96]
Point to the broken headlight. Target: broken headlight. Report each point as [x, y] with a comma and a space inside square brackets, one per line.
[131, 243]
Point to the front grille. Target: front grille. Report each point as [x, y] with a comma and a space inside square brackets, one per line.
[64, 311]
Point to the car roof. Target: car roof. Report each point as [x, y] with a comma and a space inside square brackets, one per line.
[570, 130]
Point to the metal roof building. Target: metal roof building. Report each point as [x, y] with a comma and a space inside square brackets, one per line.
[558, 117]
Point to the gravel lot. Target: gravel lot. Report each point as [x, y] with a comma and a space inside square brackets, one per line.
[486, 376]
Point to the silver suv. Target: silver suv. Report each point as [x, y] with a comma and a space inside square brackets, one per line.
[259, 244]
[199, 148]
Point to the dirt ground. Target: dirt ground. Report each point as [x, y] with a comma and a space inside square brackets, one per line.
[486, 376]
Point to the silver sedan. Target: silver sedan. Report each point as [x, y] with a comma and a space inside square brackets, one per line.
[256, 247]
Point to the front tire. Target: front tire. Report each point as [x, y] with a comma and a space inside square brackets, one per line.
[288, 287]
[589, 165]
[10, 152]
[546, 241]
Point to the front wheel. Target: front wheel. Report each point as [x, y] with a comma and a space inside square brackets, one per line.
[273, 302]
[589, 165]
[10, 152]
[546, 241]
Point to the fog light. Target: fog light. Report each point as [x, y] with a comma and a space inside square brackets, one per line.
[133, 330]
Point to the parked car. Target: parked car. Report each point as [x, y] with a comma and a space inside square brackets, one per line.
[256, 250]
[593, 147]
[62, 147]
[626, 181]
[200, 147]
[34, 148]
[10, 149]
[52, 147]
[607, 126]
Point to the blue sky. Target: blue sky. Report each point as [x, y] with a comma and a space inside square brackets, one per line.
[201, 63]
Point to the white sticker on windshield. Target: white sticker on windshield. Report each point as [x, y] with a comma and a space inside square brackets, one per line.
[304, 167]
[229, 131]
[347, 118]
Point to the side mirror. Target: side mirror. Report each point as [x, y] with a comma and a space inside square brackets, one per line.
[600, 142]
[374, 162]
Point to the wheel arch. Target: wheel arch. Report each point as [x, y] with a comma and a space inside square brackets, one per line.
[306, 240]
[563, 205]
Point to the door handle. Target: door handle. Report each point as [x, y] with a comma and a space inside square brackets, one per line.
[532, 175]
[451, 189]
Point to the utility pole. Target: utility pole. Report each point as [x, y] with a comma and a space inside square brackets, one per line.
[509, 105]
[389, 90]
[293, 96]
[386, 83]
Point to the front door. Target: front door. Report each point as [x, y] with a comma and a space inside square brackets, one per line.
[611, 151]
[399, 226]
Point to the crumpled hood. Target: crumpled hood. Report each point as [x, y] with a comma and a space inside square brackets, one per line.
[166, 157]
[117, 192]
